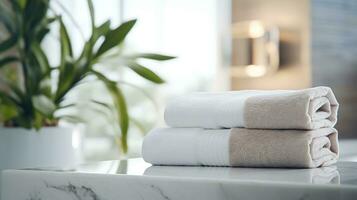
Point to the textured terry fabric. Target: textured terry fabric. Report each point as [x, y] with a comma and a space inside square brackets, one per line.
[186, 146]
[311, 108]
[302, 109]
[241, 147]
[283, 148]
[207, 110]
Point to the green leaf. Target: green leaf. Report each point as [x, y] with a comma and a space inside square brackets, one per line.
[83, 62]
[120, 105]
[7, 60]
[101, 30]
[22, 3]
[67, 81]
[66, 47]
[44, 29]
[7, 112]
[44, 105]
[38, 120]
[23, 121]
[41, 58]
[14, 92]
[91, 12]
[9, 98]
[15, 6]
[42, 33]
[8, 109]
[153, 56]
[34, 13]
[115, 37]
[8, 43]
[45, 87]
[66, 69]
[145, 72]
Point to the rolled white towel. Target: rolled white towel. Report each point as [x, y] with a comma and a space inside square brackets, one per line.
[241, 147]
[311, 108]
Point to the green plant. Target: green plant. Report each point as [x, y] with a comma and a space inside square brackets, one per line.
[32, 102]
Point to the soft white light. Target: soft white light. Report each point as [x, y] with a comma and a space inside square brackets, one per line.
[255, 70]
[256, 29]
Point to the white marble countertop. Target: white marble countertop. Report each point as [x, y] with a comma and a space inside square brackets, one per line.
[135, 179]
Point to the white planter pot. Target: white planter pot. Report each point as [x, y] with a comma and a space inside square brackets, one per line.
[49, 147]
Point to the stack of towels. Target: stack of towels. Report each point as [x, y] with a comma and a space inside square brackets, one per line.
[249, 128]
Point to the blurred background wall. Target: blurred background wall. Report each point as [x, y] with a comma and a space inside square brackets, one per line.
[292, 18]
[318, 46]
[334, 56]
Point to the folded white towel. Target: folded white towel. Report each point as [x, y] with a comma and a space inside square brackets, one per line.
[241, 147]
[311, 108]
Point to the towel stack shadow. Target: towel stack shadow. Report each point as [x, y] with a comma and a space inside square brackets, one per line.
[248, 128]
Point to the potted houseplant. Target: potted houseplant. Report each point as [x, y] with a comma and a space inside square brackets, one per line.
[32, 103]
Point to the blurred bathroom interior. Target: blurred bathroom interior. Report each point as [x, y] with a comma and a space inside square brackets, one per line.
[220, 45]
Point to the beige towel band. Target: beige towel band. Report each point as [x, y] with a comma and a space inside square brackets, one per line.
[283, 148]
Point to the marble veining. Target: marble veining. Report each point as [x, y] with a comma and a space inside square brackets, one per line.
[75, 192]
[136, 180]
[160, 191]
[79, 192]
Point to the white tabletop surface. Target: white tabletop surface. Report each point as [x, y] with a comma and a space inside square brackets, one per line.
[136, 179]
